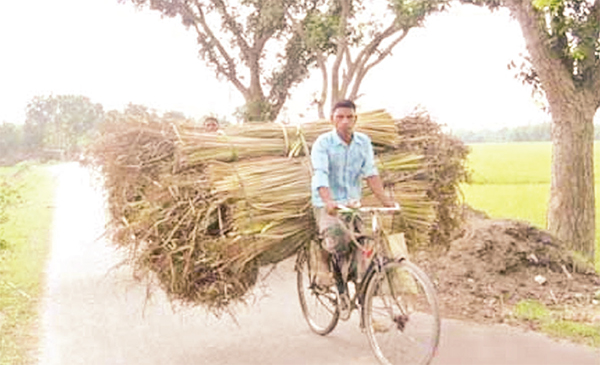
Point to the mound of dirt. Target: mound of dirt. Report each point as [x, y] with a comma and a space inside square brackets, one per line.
[493, 264]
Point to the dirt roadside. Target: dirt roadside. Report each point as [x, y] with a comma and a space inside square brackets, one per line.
[494, 264]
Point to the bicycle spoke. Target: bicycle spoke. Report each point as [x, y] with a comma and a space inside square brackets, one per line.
[319, 305]
[401, 315]
[327, 302]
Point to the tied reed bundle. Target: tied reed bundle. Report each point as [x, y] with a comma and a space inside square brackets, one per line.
[445, 157]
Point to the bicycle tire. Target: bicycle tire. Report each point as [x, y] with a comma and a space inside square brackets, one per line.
[401, 315]
[319, 305]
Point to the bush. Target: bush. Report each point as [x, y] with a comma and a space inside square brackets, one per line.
[8, 196]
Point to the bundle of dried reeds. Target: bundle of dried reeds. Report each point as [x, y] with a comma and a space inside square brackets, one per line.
[202, 212]
[379, 125]
[445, 157]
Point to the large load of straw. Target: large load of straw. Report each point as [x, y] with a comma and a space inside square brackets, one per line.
[202, 212]
[445, 160]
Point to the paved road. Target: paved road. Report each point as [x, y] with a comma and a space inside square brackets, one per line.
[94, 313]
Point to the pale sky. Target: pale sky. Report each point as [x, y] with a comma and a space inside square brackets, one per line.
[455, 67]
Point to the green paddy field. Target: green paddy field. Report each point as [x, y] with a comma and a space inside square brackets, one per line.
[512, 180]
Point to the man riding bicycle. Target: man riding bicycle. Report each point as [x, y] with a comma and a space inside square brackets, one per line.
[341, 158]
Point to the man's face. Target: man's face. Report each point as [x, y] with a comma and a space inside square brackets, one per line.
[211, 126]
[344, 120]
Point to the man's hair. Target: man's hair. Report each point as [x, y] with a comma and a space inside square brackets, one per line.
[343, 104]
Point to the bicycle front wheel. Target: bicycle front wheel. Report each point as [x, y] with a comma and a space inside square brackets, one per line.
[319, 304]
[401, 315]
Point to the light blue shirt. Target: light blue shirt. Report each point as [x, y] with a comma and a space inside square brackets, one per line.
[341, 167]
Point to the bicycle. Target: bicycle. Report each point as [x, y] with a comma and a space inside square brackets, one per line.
[397, 301]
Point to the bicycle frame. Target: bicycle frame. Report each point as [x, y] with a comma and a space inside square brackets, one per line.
[379, 260]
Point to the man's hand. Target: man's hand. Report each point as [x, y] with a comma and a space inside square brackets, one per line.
[376, 186]
[388, 202]
[331, 207]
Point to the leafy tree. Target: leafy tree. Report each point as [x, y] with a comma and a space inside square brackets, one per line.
[10, 142]
[141, 111]
[259, 44]
[61, 122]
[249, 43]
[39, 116]
[563, 41]
[347, 38]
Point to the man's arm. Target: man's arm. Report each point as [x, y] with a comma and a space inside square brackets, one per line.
[330, 204]
[320, 179]
[373, 179]
[376, 186]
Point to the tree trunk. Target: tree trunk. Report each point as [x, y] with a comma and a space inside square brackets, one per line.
[255, 99]
[571, 208]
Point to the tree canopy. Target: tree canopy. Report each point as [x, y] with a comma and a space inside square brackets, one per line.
[265, 47]
[347, 38]
[60, 122]
[249, 43]
[10, 142]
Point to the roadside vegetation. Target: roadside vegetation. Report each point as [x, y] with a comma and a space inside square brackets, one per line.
[563, 324]
[28, 191]
[512, 180]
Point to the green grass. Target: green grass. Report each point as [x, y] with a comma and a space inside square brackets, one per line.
[26, 237]
[549, 322]
[576, 331]
[512, 180]
[518, 201]
[510, 163]
[531, 310]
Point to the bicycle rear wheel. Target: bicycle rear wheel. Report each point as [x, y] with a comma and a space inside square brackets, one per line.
[401, 315]
[319, 304]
